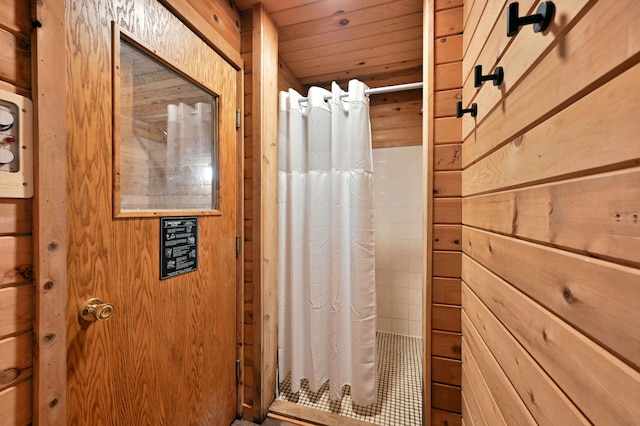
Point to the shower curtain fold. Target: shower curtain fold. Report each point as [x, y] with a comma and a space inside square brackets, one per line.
[326, 273]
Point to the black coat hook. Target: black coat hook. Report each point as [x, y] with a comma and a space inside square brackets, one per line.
[478, 78]
[541, 19]
[460, 112]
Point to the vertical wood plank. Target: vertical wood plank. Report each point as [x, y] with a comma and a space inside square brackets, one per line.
[265, 109]
[428, 141]
[50, 215]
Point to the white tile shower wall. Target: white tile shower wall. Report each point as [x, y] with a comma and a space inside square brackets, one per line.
[398, 225]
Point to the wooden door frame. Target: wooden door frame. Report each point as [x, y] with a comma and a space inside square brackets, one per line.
[428, 113]
[50, 212]
[49, 405]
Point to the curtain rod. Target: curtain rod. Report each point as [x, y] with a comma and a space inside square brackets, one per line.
[379, 90]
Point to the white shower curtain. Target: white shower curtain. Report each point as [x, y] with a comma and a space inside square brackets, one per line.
[326, 273]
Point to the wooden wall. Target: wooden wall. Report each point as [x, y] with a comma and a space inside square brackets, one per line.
[16, 251]
[264, 75]
[446, 232]
[551, 200]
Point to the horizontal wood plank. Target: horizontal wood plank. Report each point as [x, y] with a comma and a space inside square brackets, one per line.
[447, 237]
[15, 60]
[560, 67]
[544, 399]
[554, 149]
[517, 54]
[445, 318]
[472, 379]
[446, 370]
[16, 310]
[446, 397]
[608, 205]
[445, 102]
[446, 264]
[448, 345]
[15, 404]
[581, 368]
[447, 210]
[447, 157]
[448, 22]
[447, 184]
[511, 405]
[445, 418]
[447, 76]
[570, 285]
[448, 49]
[447, 130]
[16, 359]
[16, 215]
[471, 411]
[446, 291]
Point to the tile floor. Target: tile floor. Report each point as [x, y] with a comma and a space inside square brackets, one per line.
[399, 386]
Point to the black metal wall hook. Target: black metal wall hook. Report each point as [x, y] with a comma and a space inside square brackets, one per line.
[460, 112]
[541, 19]
[478, 78]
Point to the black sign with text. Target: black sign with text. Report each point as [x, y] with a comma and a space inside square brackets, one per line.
[178, 246]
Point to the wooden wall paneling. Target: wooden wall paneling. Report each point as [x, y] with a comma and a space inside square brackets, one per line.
[447, 184]
[473, 10]
[446, 397]
[448, 22]
[264, 111]
[448, 49]
[446, 291]
[447, 237]
[446, 264]
[570, 285]
[538, 154]
[606, 204]
[15, 18]
[447, 4]
[445, 370]
[586, 372]
[448, 76]
[16, 405]
[448, 130]
[15, 217]
[16, 359]
[445, 418]
[15, 259]
[511, 405]
[470, 405]
[560, 67]
[447, 210]
[445, 318]
[286, 78]
[446, 344]
[448, 157]
[248, 373]
[546, 402]
[16, 310]
[15, 60]
[492, 46]
[445, 102]
[473, 377]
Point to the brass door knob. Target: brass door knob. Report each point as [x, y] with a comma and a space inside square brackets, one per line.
[95, 309]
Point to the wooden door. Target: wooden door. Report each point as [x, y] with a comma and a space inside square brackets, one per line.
[168, 354]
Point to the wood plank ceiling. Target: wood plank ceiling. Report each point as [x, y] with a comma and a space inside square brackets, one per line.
[376, 41]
